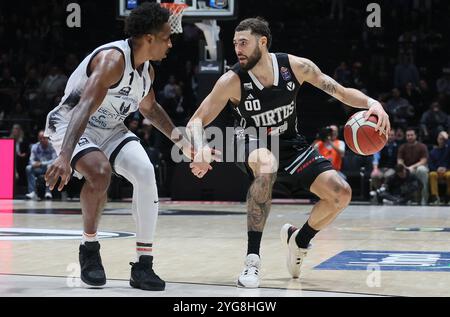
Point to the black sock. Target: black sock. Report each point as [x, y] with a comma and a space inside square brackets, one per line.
[305, 235]
[254, 241]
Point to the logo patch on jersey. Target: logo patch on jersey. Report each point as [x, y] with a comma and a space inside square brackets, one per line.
[286, 74]
[124, 110]
[250, 97]
[125, 91]
[83, 141]
[248, 86]
[290, 86]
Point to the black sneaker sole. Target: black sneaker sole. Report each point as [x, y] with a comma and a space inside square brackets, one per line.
[90, 283]
[151, 288]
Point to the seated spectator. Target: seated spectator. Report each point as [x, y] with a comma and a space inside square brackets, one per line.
[52, 85]
[42, 155]
[434, 121]
[384, 162]
[170, 88]
[426, 95]
[8, 90]
[342, 74]
[400, 136]
[443, 83]
[399, 109]
[331, 147]
[406, 72]
[414, 156]
[400, 189]
[22, 151]
[440, 167]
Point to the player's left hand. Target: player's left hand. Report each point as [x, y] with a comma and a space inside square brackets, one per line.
[383, 124]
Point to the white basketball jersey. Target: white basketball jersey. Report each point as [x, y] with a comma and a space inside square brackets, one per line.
[121, 99]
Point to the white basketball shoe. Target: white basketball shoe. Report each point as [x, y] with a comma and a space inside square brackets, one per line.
[249, 277]
[295, 254]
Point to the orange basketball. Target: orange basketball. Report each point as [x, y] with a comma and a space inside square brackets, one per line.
[360, 134]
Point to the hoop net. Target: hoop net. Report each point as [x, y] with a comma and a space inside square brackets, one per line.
[176, 10]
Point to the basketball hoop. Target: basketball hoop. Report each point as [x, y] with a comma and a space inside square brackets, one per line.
[176, 10]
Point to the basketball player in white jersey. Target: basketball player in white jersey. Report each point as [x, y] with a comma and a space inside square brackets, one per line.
[262, 90]
[88, 132]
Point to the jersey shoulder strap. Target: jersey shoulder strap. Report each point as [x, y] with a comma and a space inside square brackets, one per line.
[286, 71]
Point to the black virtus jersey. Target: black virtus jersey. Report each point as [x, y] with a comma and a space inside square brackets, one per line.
[273, 108]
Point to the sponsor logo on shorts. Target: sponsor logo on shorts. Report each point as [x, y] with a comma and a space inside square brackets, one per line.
[83, 141]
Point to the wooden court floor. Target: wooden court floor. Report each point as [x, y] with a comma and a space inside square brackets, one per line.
[200, 249]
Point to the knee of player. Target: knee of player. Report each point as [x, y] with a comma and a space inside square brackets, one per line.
[100, 176]
[265, 161]
[146, 173]
[341, 196]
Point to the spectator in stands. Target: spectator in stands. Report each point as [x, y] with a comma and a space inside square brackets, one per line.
[399, 109]
[342, 74]
[8, 90]
[405, 72]
[440, 167]
[426, 95]
[414, 156]
[42, 155]
[400, 189]
[31, 88]
[400, 135]
[331, 147]
[170, 88]
[443, 83]
[53, 85]
[133, 126]
[22, 151]
[412, 94]
[434, 121]
[384, 162]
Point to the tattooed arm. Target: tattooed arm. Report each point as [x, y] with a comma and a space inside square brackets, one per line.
[306, 70]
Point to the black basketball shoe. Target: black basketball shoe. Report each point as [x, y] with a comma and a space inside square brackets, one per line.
[143, 276]
[92, 271]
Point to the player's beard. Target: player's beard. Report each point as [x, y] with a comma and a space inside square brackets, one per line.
[252, 60]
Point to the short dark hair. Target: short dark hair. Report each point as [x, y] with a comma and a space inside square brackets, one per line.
[258, 26]
[399, 168]
[411, 129]
[148, 18]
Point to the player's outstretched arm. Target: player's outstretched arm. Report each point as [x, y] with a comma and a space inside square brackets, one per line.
[306, 70]
[106, 70]
[159, 118]
[227, 88]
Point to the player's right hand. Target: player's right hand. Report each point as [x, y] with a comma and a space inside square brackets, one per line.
[202, 161]
[59, 169]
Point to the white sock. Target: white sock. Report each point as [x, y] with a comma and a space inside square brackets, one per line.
[89, 237]
[143, 249]
[133, 163]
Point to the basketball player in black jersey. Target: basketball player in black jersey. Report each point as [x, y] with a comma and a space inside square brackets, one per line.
[262, 88]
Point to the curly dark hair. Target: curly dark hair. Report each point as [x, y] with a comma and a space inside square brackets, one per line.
[258, 26]
[148, 18]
